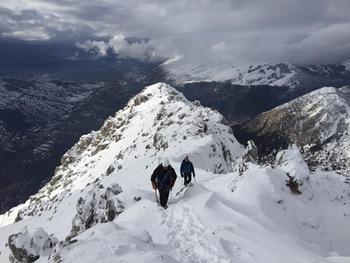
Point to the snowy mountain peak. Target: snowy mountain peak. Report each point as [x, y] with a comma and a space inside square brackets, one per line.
[158, 122]
[160, 89]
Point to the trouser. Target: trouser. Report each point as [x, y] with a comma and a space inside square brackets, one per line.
[163, 196]
[187, 178]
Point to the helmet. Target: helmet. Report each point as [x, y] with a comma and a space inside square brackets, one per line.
[165, 162]
[186, 157]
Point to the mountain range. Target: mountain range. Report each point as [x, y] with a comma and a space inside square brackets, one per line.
[278, 75]
[99, 205]
[41, 118]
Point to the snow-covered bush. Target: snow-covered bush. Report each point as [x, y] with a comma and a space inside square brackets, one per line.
[293, 163]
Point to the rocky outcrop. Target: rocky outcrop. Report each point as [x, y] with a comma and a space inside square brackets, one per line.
[99, 206]
[27, 248]
[250, 154]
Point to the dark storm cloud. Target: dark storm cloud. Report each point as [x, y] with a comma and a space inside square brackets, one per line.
[312, 31]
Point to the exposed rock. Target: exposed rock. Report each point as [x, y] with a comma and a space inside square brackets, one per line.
[27, 248]
[250, 154]
[99, 206]
[140, 99]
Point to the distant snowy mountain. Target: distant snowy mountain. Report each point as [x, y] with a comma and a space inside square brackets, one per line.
[318, 121]
[259, 74]
[100, 207]
[279, 74]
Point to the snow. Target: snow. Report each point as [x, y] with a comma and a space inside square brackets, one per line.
[292, 162]
[38, 244]
[260, 221]
[323, 117]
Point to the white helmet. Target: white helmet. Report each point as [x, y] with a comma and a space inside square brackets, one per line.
[165, 162]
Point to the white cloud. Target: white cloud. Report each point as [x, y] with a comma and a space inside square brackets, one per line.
[144, 50]
[219, 47]
[148, 50]
[98, 48]
[29, 34]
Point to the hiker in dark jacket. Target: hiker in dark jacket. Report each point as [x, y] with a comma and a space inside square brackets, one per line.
[187, 170]
[163, 179]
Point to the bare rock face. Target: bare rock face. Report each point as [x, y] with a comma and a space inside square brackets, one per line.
[27, 248]
[99, 206]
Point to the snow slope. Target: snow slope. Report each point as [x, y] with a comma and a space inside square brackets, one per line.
[261, 221]
[222, 218]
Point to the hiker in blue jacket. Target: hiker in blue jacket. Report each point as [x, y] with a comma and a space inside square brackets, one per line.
[187, 170]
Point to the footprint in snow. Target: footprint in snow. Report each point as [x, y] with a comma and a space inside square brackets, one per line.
[190, 241]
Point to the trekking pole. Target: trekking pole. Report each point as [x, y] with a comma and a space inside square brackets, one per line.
[155, 192]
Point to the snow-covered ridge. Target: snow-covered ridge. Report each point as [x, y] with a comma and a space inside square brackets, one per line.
[282, 74]
[273, 74]
[318, 121]
[158, 122]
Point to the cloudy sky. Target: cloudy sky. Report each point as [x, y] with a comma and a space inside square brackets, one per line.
[244, 31]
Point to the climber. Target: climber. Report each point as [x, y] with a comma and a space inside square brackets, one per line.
[187, 170]
[163, 179]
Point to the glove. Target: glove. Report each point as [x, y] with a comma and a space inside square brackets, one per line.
[182, 175]
[154, 185]
[172, 184]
